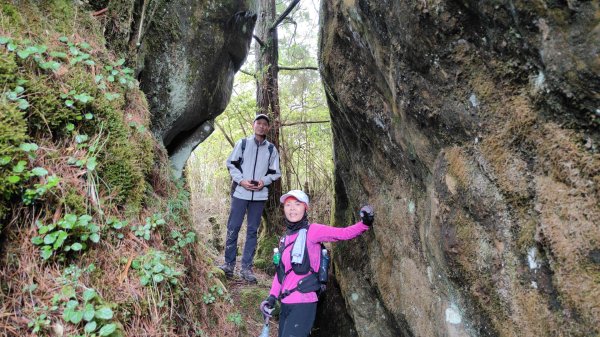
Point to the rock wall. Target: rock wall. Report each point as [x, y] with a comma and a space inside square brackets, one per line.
[189, 54]
[472, 127]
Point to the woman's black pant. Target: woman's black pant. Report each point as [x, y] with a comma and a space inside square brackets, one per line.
[296, 320]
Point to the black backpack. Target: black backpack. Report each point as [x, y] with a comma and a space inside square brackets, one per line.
[315, 280]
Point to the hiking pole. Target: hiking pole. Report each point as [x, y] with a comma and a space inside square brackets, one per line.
[266, 311]
[265, 330]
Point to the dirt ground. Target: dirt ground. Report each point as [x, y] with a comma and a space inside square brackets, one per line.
[247, 297]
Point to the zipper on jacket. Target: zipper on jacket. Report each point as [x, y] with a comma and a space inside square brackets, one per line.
[254, 170]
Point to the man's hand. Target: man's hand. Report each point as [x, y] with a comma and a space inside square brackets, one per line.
[367, 215]
[247, 184]
[260, 185]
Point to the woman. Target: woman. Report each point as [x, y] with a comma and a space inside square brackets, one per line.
[296, 282]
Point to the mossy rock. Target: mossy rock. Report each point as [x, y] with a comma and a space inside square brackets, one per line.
[262, 264]
[264, 252]
[218, 273]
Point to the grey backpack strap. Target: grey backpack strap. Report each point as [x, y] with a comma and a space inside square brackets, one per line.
[238, 165]
[269, 171]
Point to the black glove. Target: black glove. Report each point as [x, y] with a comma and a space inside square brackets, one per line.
[367, 215]
[267, 306]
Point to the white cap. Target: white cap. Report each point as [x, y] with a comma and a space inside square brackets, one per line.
[301, 196]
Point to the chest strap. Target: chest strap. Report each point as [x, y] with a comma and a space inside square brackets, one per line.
[285, 293]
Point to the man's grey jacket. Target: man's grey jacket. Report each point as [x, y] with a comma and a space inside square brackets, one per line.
[254, 166]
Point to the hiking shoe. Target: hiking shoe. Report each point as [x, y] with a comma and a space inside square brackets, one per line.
[228, 269]
[248, 276]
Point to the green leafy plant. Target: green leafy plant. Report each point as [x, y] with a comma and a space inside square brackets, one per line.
[236, 318]
[96, 317]
[40, 320]
[19, 170]
[181, 240]
[8, 42]
[39, 189]
[77, 52]
[139, 127]
[156, 267]
[151, 224]
[83, 306]
[209, 298]
[115, 72]
[72, 97]
[89, 161]
[116, 225]
[213, 293]
[17, 95]
[71, 233]
[26, 50]
[19, 174]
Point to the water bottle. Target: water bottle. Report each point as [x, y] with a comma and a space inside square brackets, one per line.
[324, 267]
[276, 256]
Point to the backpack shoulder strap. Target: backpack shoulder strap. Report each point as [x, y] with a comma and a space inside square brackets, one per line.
[241, 160]
[271, 146]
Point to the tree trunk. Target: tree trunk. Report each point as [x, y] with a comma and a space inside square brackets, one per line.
[267, 99]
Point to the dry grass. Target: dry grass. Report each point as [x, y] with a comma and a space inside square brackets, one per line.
[137, 307]
[502, 149]
[456, 166]
[550, 184]
[570, 244]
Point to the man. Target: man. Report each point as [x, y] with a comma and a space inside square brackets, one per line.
[253, 165]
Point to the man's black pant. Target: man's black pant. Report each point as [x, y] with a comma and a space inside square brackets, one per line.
[234, 224]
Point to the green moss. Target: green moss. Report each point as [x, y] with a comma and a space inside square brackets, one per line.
[125, 160]
[251, 297]
[61, 14]
[262, 264]
[8, 69]
[264, 252]
[10, 12]
[74, 202]
[13, 132]
[119, 171]
[119, 26]
[48, 111]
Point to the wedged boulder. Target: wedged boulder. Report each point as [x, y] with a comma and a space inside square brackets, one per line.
[188, 57]
[472, 127]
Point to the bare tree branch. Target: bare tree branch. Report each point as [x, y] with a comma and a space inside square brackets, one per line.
[284, 14]
[258, 40]
[100, 12]
[247, 73]
[298, 68]
[229, 140]
[305, 122]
